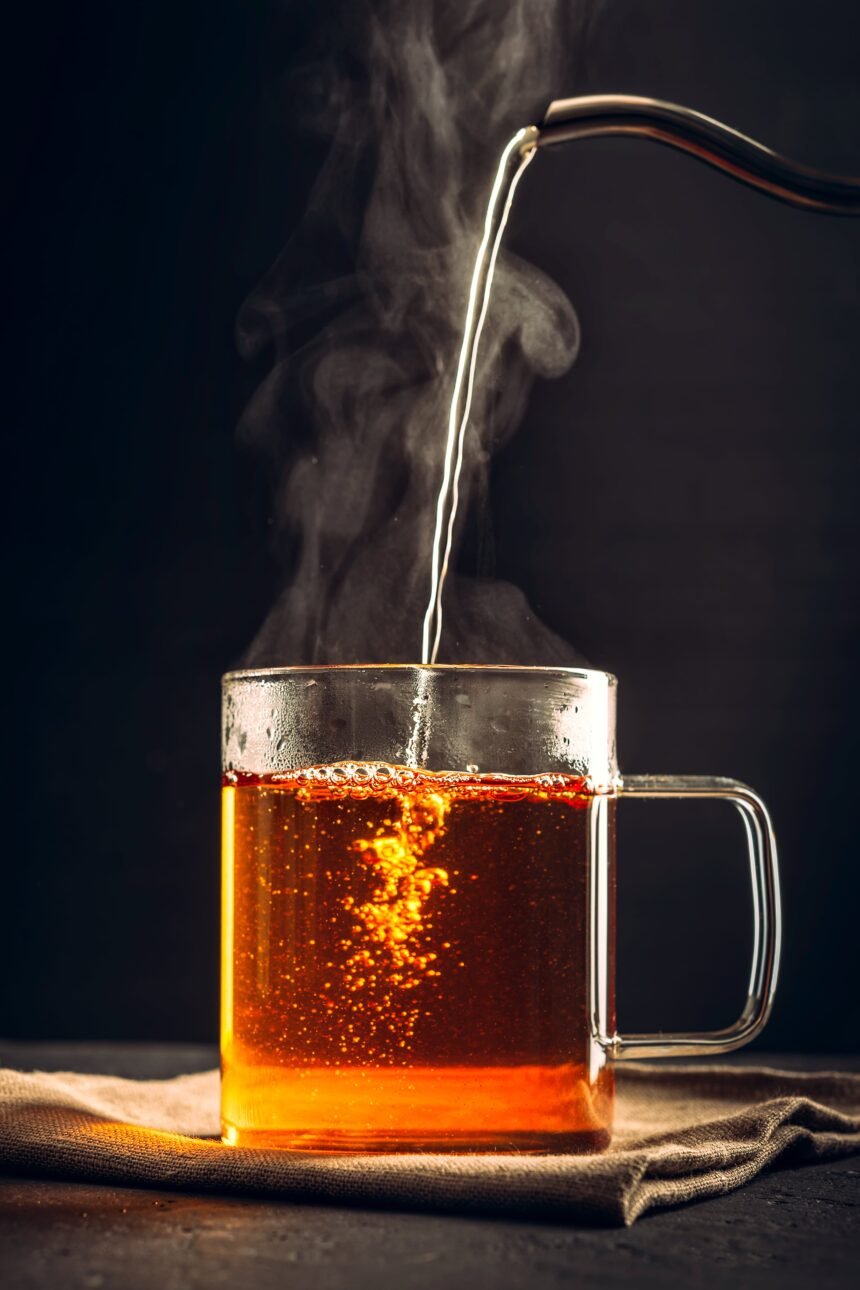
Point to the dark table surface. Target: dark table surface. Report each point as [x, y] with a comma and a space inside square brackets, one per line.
[789, 1228]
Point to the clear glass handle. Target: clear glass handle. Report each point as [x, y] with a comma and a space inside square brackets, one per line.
[767, 929]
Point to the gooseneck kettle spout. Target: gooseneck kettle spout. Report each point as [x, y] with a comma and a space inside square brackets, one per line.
[701, 137]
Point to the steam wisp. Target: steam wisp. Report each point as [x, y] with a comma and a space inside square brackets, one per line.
[353, 416]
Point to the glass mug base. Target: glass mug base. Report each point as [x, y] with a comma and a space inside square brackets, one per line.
[534, 1109]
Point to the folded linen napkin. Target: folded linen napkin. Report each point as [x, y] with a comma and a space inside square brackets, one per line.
[682, 1134]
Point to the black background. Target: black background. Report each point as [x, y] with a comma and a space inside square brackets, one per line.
[681, 506]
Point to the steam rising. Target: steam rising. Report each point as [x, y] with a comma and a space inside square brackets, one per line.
[355, 418]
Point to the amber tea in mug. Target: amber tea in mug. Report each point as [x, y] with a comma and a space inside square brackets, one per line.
[412, 939]
[418, 941]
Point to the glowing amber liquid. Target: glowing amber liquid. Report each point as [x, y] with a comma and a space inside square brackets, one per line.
[406, 962]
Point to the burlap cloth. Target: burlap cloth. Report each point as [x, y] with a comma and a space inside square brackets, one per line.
[682, 1134]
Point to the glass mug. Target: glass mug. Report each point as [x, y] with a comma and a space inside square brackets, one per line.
[418, 909]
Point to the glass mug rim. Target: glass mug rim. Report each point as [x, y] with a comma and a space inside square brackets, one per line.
[588, 675]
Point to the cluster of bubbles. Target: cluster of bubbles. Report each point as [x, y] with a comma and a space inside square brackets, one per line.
[378, 992]
[388, 954]
[373, 993]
